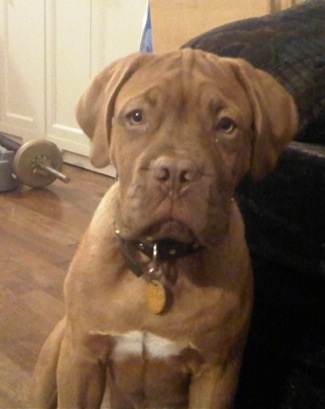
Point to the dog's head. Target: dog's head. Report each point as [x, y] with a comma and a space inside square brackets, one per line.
[182, 129]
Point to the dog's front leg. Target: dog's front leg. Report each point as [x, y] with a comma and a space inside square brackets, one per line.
[213, 387]
[81, 374]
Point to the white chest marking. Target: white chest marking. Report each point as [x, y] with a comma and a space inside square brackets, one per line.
[138, 343]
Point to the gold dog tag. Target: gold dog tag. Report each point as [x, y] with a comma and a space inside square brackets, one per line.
[156, 296]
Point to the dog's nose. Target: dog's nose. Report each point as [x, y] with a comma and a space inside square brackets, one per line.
[175, 172]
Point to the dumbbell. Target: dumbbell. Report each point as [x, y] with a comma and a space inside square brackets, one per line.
[37, 163]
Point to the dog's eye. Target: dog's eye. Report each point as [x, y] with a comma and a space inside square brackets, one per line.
[226, 125]
[135, 117]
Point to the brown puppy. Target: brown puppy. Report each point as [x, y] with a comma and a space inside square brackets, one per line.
[159, 293]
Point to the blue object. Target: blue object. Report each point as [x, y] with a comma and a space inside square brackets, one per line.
[146, 38]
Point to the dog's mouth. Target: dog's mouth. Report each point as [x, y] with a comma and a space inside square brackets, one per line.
[169, 229]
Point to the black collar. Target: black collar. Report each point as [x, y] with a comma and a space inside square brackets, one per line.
[159, 251]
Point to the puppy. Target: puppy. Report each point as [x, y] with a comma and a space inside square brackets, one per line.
[159, 293]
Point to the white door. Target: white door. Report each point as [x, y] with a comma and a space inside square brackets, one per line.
[49, 51]
[22, 68]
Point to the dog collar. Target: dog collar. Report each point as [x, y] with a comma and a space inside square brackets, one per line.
[158, 251]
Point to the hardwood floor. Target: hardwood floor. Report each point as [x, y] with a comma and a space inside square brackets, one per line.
[39, 232]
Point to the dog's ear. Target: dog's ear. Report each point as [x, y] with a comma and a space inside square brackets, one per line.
[95, 109]
[275, 116]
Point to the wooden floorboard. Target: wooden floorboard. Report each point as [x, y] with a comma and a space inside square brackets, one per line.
[39, 232]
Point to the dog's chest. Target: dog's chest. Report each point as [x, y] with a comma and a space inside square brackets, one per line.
[145, 345]
[144, 364]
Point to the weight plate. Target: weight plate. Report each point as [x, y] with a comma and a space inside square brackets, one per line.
[27, 157]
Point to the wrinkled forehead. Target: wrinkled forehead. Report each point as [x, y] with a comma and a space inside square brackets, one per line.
[187, 76]
[158, 72]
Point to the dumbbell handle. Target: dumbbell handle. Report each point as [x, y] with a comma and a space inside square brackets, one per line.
[53, 172]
